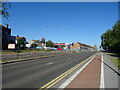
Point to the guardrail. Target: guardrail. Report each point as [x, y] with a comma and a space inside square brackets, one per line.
[6, 57]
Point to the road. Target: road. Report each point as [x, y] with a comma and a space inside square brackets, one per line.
[36, 73]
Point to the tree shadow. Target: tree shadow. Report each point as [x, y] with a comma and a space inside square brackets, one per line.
[117, 55]
[109, 67]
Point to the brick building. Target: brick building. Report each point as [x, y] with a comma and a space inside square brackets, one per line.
[82, 46]
[5, 37]
[38, 42]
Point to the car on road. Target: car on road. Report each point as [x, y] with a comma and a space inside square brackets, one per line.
[59, 49]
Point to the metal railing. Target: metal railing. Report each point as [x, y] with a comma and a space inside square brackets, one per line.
[19, 55]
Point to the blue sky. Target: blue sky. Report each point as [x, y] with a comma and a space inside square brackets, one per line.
[67, 21]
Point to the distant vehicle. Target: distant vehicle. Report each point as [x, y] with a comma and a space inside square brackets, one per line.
[51, 48]
[59, 49]
[32, 46]
[47, 48]
[39, 47]
[77, 51]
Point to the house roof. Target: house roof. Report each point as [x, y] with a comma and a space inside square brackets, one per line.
[4, 28]
[20, 37]
[59, 44]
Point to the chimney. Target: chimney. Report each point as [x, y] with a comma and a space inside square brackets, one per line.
[6, 25]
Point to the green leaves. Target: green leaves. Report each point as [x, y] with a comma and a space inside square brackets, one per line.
[20, 42]
[3, 9]
[49, 44]
[111, 38]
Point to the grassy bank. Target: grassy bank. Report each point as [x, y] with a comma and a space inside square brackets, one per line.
[115, 59]
[24, 51]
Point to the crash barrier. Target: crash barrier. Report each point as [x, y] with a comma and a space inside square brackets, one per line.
[33, 54]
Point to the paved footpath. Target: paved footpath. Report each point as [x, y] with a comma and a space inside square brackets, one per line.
[97, 74]
[111, 73]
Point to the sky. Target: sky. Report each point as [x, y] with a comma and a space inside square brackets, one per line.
[62, 22]
[62, 0]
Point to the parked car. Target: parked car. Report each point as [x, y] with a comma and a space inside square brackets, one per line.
[39, 47]
[59, 49]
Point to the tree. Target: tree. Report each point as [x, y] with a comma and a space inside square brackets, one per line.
[34, 45]
[20, 42]
[49, 43]
[111, 39]
[3, 9]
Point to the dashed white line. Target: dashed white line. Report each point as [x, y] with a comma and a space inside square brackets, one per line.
[50, 63]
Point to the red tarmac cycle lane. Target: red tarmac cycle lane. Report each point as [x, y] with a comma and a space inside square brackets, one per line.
[89, 77]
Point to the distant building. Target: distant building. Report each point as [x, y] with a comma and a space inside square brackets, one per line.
[59, 45]
[32, 41]
[82, 46]
[6, 37]
[24, 39]
[12, 39]
[75, 46]
[38, 42]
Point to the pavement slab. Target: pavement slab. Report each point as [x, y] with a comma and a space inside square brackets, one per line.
[111, 75]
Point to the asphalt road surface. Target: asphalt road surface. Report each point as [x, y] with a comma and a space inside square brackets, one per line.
[36, 73]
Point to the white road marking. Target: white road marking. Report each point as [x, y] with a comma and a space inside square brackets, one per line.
[69, 58]
[68, 81]
[102, 86]
[50, 63]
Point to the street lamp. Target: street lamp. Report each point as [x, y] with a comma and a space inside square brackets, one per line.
[45, 33]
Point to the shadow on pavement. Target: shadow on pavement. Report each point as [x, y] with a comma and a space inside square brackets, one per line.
[110, 67]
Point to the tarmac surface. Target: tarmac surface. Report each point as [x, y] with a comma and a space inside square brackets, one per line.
[34, 74]
[99, 73]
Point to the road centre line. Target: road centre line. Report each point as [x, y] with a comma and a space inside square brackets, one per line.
[50, 63]
[54, 81]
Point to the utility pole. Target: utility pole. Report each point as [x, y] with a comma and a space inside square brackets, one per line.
[45, 33]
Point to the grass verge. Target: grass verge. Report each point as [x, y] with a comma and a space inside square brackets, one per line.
[115, 59]
[25, 51]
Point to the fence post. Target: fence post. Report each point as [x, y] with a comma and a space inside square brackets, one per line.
[18, 54]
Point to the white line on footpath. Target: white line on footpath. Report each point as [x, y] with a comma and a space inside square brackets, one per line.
[102, 86]
[68, 81]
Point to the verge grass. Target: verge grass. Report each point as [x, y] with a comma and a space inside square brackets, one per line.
[115, 59]
[25, 51]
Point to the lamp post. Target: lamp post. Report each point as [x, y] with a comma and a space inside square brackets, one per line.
[45, 33]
